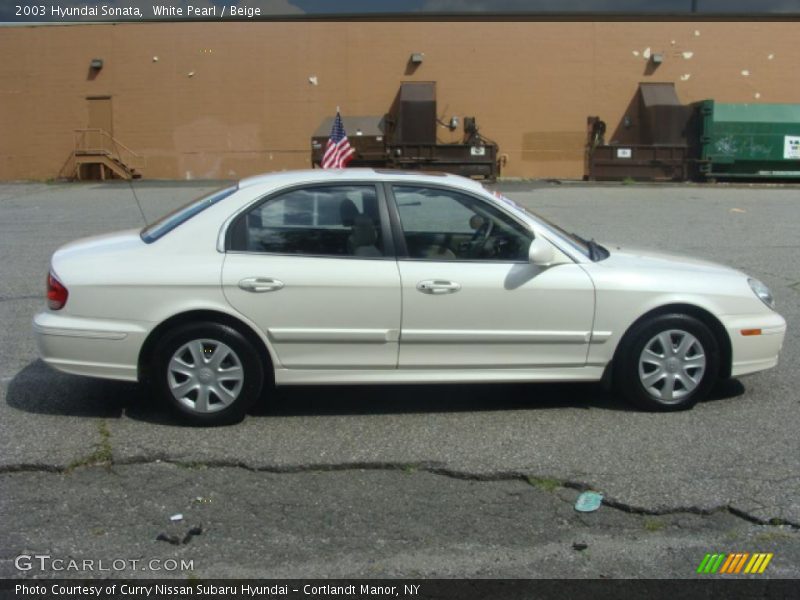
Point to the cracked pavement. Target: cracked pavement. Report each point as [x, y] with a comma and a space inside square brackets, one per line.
[417, 480]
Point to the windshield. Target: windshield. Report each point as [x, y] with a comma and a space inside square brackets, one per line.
[575, 241]
[180, 215]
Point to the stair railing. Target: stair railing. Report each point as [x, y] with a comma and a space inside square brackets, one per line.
[95, 141]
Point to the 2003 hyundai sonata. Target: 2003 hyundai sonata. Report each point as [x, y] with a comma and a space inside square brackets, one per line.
[363, 276]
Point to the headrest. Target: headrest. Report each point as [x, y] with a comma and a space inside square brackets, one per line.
[364, 233]
[348, 212]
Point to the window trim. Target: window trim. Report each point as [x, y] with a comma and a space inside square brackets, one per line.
[400, 238]
[386, 232]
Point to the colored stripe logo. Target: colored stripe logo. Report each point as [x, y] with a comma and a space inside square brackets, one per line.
[737, 563]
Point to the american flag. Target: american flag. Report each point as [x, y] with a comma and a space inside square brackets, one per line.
[338, 152]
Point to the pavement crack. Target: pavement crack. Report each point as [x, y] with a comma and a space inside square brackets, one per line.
[31, 468]
[696, 510]
[101, 455]
[104, 452]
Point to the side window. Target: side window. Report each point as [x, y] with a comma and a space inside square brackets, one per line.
[444, 225]
[316, 221]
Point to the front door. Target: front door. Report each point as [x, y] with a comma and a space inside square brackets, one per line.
[471, 298]
[315, 269]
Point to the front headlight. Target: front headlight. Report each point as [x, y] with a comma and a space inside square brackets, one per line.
[762, 291]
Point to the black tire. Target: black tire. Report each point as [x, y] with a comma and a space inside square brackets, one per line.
[227, 392]
[667, 392]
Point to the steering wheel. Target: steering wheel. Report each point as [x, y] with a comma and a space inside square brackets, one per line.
[480, 237]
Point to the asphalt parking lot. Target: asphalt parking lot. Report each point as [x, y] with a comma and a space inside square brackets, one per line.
[422, 481]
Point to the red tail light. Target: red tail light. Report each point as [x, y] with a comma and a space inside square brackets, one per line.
[57, 294]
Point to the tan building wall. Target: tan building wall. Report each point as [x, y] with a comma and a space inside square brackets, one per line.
[220, 100]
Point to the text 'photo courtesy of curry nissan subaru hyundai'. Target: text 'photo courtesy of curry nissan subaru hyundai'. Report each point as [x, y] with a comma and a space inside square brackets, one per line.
[359, 276]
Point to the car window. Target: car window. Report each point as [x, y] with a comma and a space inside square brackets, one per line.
[315, 221]
[180, 215]
[442, 224]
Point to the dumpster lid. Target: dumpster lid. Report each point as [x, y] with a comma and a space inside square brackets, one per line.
[418, 91]
[758, 113]
[369, 125]
[659, 94]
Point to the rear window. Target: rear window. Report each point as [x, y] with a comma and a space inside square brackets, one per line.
[180, 215]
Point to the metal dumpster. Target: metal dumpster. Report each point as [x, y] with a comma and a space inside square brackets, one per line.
[478, 161]
[662, 149]
[754, 141]
[405, 138]
[639, 162]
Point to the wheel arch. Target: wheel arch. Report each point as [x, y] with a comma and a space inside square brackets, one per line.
[216, 316]
[703, 315]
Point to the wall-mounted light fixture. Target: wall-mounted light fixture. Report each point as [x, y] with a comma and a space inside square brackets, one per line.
[417, 58]
[96, 64]
[657, 58]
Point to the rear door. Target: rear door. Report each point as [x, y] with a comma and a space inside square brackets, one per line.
[315, 268]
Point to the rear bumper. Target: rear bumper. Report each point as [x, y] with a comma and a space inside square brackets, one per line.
[91, 347]
[753, 353]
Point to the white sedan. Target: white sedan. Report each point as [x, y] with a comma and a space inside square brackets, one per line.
[363, 276]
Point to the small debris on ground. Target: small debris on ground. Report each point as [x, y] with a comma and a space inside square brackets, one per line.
[579, 546]
[170, 539]
[176, 540]
[588, 502]
[193, 531]
[176, 517]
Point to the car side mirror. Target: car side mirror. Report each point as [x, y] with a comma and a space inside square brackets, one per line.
[541, 253]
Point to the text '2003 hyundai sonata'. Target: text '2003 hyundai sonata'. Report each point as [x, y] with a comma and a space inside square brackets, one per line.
[363, 276]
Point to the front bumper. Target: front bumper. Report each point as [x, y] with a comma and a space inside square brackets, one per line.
[91, 347]
[755, 352]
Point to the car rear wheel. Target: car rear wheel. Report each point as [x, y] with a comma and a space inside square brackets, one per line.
[668, 363]
[208, 372]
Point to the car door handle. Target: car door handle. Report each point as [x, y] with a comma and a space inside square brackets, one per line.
[259, 285]
[438, 287]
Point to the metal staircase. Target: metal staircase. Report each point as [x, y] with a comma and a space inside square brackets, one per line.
[98, 155]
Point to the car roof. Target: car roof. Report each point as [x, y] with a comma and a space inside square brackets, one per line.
[282, 178]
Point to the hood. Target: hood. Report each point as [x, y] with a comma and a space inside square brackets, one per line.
[622, 256]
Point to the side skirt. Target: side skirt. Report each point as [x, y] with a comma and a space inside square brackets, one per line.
[413, 376]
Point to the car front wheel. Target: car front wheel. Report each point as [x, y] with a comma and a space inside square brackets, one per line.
[207, 372]
[668, 363]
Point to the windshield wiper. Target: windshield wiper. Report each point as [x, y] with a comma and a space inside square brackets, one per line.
[595, 249]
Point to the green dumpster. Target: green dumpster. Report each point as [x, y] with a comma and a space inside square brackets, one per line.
[754, 141]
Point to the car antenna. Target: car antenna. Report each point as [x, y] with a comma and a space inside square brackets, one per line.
[139, 204]
[133, 190]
